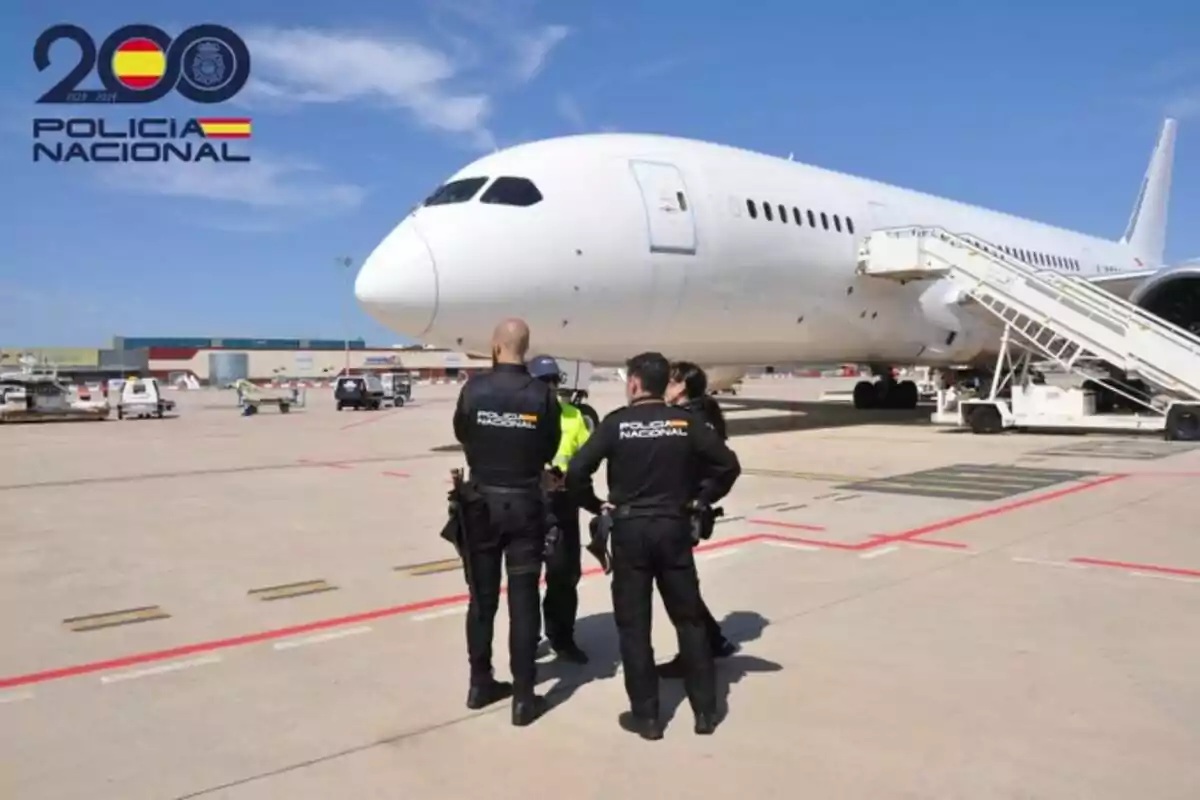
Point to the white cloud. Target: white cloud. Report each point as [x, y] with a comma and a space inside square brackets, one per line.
[533, 49]
[267, 182]
[1184, 105]
[309, 66]
[568, 108]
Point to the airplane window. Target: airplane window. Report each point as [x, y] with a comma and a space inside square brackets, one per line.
[824, 221]
[837, 223]
[509, 191]
[812, 221]
[796, 215]
[849, 224]
[459, 191]
[752, 208]
[682, 201]
[782, 214]
[767, 212]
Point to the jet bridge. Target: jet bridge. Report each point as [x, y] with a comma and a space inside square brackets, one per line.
[1052, 317]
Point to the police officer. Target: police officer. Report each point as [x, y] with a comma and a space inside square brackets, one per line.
[688, 389]
[662, 464]
[508, 424]
[563, 570]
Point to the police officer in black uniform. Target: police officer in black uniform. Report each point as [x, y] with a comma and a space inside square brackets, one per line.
[688, 389]
[662, 465]
[508, 424]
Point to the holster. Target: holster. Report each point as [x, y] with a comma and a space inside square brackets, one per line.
[600, 531]
[466, 508]
[702, 521]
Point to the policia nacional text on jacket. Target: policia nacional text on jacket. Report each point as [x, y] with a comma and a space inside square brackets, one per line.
[662, 463]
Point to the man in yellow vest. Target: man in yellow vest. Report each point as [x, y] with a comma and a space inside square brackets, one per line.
[561, 603]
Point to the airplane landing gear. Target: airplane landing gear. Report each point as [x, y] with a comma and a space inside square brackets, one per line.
[886, 392]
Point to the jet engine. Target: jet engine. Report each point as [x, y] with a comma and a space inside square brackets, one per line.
[1172, 293]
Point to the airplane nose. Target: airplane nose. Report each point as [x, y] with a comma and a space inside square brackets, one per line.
[397, 284]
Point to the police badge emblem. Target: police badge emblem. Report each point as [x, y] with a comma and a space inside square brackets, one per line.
[208, 64]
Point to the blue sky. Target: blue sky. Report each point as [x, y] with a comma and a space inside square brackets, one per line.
[1046, 110]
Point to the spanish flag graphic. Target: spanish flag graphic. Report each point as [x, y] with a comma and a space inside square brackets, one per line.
[139, 63]
[225, 127]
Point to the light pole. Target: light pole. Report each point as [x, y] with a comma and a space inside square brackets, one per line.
[345, 262]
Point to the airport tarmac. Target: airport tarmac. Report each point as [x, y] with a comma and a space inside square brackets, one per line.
[225, 607]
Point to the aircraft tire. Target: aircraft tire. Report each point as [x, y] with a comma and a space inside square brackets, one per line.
[591, 418]
[985, 419]
[905, 395]
[1183, 423]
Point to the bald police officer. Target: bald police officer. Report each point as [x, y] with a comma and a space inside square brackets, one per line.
[663, 463]
[508, 424]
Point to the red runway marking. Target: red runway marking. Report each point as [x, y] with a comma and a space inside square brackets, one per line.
[1099, 562]
[989, 512]
[395, 473]
[937, 543]
[278, 633]
[800, 526]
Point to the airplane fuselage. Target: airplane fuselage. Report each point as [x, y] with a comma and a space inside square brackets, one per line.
[704, 252]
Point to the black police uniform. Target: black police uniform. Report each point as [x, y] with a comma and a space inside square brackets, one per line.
[707, 409]
[508, 424]
[657, 456]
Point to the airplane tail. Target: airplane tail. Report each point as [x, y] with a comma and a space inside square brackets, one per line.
[1147, 230]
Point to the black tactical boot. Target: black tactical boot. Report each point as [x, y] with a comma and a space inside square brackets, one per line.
[527, 709]
[706, 723]
[649, 728]
[485, 693]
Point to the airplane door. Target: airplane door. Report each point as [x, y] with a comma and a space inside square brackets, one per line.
[672, 225]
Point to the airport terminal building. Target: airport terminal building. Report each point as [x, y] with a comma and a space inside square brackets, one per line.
[220, 361]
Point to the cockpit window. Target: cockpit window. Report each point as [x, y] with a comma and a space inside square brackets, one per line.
[507, 191]
[459, 191]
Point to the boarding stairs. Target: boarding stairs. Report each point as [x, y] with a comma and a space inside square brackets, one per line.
[1060, 318]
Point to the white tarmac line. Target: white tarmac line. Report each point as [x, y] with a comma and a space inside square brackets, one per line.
[288, 644]
[1045, 563]
[1176, 578]
[717, 554]
[878, 553]
[15, 697]
[807, 548]
[172, 667]
[444, 612]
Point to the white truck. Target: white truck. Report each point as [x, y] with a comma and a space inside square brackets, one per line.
[143, 397]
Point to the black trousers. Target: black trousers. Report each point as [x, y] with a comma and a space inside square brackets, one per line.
[648, 551]
[563, 570]
[505, 528]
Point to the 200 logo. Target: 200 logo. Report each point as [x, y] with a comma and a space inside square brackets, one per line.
[142, 64]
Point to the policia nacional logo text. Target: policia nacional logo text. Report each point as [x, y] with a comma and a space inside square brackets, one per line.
[506, 419]
[136, 65]
[655, 429]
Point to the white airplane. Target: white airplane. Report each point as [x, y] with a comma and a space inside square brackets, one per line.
[612, 244]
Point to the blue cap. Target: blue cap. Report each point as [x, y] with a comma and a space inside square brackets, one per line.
[544, 367]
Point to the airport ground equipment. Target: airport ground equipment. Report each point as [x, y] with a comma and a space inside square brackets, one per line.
[32, 396]
[252, 397]
[143, 397]
[1048, 316]
[358, 392]
[397, 388]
